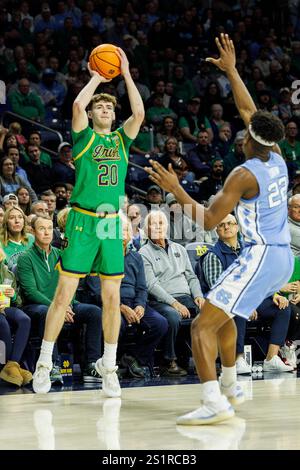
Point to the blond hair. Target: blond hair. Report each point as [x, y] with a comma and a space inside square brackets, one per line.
[4, 233]
[103, 97]
[62, 217]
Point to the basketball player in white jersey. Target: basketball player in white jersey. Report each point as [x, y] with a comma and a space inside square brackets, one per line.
[257, 191]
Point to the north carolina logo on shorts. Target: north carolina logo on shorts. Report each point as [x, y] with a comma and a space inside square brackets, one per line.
[64, 243]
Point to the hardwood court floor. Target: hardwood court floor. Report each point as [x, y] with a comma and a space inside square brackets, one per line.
[145, 419]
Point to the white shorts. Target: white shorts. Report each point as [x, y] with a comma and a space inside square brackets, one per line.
[257, 273]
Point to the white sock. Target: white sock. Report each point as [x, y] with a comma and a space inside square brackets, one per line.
[228, 375]
[211, 391]
[110, 355]
[46, 352]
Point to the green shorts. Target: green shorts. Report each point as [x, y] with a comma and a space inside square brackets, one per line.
[92, 245]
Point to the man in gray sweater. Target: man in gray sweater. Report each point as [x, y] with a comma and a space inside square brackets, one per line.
[173, 288]
[294, 223]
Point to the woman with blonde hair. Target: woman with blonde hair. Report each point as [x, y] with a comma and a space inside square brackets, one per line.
[13, 235]
[12, 316]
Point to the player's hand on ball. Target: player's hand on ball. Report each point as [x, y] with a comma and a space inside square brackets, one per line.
[124, 61]
[94, 73]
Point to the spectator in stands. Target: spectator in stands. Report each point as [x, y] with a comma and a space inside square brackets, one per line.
[35, 139]
[236, 156]
[40, 175]
[51, 91]
[154, 197]
[215, 182]
[16, 129]
[212, 96]
[60, 191]
[156, 113]
[13, 322]
[135, 310]
[169, 100]
[212, 264]
[38, 281]
[70, 188]
[172, 155]
[53, 62]
[263, 62]
[10, 140]
[9, 181]
[13, 236]
[200, 156]
[50, 199]
[193, 121]
[168, 129]
[64, 169]
[174, 290]
[26, 102]
[143, 89]
[40, 208]
[285, 105]
[24, 200]
[45, 20]
[14, 154]
[223, 142]
[290, 146]
[294, 223]
[10, 200]
[145, 142]
[183, 87]
[216, 118]
[264, 98]
[135, 217]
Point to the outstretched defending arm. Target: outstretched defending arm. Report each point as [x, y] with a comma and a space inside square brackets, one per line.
[79, 117]
[226, 62]
[132, 124]
[239, 183]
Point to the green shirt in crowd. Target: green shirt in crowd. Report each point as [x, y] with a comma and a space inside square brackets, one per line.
[13, 250]
[289, 152]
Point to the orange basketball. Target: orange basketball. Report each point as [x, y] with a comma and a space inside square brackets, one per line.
[105, 60]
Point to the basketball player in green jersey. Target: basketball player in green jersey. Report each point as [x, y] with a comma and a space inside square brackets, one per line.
[93, 243]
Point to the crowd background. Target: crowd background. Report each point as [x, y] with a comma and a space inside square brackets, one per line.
[191, 122]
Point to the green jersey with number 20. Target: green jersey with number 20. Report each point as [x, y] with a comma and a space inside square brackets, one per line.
[101, 162]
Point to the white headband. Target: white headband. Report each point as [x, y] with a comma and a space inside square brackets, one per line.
[259, 139]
